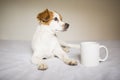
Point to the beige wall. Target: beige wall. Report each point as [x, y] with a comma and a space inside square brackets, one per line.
[89, 19]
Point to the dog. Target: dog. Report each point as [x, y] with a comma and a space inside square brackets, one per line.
[45, 43]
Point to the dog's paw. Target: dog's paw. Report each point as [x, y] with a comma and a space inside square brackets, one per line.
[42, 67]
[71, 62]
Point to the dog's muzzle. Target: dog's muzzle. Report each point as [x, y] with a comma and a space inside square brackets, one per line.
[66, 26]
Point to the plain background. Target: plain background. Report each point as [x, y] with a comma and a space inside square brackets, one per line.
[88, 19]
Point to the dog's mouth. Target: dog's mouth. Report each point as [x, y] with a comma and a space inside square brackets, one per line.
[61, 30]
[64, 28]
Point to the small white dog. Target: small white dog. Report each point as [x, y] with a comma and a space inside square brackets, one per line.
[45, 43]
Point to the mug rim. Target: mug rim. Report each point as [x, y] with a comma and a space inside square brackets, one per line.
[88, 42]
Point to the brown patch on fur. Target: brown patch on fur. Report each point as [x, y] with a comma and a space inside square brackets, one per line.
[45, 17]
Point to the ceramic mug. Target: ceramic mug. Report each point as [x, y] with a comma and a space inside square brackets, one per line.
[90, 53]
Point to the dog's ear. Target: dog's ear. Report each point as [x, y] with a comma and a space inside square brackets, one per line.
[44, 16]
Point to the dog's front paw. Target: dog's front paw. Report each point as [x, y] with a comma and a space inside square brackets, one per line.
[71, 62]
[42, 67]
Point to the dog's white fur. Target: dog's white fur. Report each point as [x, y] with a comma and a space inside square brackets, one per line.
[45, 43]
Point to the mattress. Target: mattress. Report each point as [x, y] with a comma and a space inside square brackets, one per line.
[15, 64]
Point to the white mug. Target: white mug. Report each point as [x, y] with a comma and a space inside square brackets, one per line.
[90, 53]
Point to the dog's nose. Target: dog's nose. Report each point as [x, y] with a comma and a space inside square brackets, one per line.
[66, 25]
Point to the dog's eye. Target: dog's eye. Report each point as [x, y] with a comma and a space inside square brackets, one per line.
[56, 19]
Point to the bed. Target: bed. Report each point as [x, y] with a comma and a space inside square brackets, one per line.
[15, 64]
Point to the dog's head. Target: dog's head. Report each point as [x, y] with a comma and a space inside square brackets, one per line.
[52, 20]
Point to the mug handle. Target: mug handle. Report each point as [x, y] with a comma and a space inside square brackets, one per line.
[101, 46]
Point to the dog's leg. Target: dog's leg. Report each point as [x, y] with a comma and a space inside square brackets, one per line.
[64, 57]
[64, 44]
[40, 62]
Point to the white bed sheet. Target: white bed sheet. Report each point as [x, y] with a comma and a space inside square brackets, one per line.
[15, 64]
